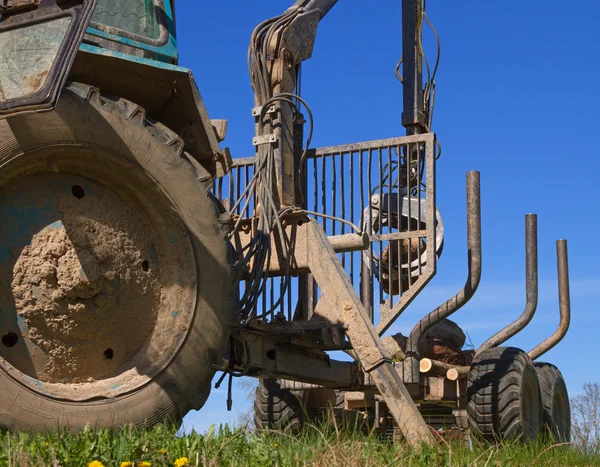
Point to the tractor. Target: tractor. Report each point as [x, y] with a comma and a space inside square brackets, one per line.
[138, 258]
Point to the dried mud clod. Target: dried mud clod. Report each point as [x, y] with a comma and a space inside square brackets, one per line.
[85, 292]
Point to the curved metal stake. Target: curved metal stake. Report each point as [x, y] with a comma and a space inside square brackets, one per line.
[562, 256]
[531, 281]
[411, 363]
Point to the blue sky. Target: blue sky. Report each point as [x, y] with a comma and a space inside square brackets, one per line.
[516, 100]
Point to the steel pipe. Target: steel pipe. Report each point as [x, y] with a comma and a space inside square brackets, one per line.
[413, 117]
[531, 281]
[412, 361]
[564, 298]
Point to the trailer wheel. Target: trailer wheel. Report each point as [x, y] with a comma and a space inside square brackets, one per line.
[115, 285]
[556, 410]
[285, 410]
[277, 409]
[503, 395]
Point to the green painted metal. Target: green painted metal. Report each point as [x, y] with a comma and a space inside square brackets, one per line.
[132, 58]
[135, 17]
[134, 24]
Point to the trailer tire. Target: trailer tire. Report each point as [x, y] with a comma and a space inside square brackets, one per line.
[277, 409]
[125, 156]
[556, 410]
[503, 395]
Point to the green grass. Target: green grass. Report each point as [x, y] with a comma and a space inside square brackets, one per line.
[161, 447]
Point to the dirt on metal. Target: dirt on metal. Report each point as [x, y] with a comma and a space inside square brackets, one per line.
[86, 291]
[443, 343]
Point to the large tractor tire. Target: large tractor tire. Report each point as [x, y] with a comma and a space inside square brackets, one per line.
[556, 409]
[115, 285]
[503, 395]
[279, 409]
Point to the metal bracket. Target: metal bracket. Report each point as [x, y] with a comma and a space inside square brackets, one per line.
[264, 139]
[257, 110]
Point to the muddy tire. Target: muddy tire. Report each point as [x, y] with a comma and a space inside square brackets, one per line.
[503, 395]
[279, 409]
[163, 246]
[556, 410]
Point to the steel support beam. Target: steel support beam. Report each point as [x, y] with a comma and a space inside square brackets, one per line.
[347, 308]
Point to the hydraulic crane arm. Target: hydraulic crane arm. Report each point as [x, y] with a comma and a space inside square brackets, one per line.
[288, 40]
[413, 116]
[277, 49]
[323, 6]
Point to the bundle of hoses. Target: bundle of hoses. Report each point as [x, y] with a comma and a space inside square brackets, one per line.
[257, 254]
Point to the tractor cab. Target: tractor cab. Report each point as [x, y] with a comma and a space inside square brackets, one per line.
[140, 28]
[126, 49]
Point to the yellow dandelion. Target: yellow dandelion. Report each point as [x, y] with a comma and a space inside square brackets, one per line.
[181, 462]
[276, 445]
[127, 464]
[162, 451]
[144, 464]
[95, 464]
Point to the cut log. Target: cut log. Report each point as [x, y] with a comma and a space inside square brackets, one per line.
[433, 367]
[459, 372]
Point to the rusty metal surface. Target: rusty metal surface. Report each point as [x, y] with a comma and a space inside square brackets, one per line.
[341, 182]
[562, 256]
[411, 364]
[531, 283]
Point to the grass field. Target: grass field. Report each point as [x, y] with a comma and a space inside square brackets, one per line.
[222, 447]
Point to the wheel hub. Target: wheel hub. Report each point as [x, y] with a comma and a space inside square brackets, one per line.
[84, 299]
[95, 299]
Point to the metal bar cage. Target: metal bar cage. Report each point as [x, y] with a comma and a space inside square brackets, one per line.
[384, 188]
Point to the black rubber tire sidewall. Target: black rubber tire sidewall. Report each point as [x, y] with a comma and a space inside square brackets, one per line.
[277, 409]
[556, 409]
[500, 383]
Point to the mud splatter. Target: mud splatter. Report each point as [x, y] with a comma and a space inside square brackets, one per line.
[82, 287]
